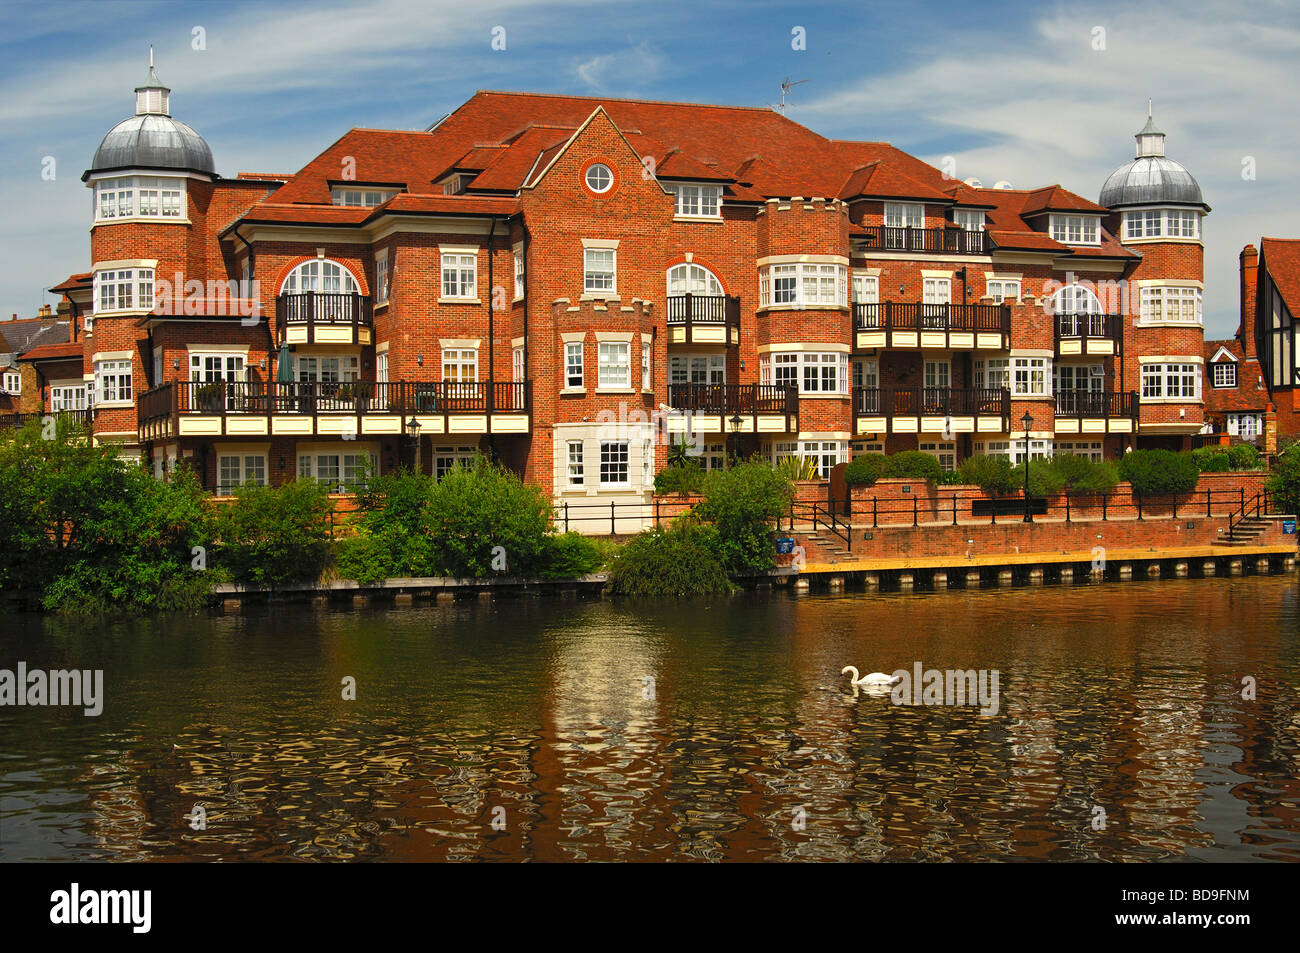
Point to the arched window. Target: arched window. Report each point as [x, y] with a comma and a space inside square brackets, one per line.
[692, 279]
[320, 274]
[1078, 312]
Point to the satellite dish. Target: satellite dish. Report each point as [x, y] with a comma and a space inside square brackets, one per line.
[974, 183]
[1004, 184]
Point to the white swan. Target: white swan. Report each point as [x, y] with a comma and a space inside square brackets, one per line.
[870, 680]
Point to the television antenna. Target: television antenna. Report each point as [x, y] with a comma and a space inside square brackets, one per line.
[785, 89]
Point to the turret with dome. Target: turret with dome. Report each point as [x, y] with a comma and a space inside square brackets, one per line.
[1156, 196]
[152, 139]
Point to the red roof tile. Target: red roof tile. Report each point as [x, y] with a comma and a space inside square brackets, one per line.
[1281, 258]
[73, 282]
[50, 352]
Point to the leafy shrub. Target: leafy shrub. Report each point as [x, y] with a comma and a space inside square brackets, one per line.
[1244, 456]
[1158, 472]
[569, 555]
[272, 536]
[364, 558]
[1284, 484]
[687, 479]
[950, 478]
[1044, 479]
[799, 467]
[680, 561]
[742, 503]
[993, 474]
[865, 470]
[1212, 459]
[1084, 475]
[913, 464]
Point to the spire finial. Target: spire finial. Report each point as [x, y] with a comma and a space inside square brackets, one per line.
[151, 57]
[1148, 100]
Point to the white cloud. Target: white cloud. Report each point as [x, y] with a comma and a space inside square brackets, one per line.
[633, 67]
[1053, 109]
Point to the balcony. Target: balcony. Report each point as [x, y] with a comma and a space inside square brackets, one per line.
[317, 317]
[945, 241]
[1096, 412]
[703, 319]
[1087, 333]
[708, 408]
[334, 409]
[921, 325]
[79, 418]
[931, 410]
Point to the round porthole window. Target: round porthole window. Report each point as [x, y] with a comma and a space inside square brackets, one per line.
[599, 178]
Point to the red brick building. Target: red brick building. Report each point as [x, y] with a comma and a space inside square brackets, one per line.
[1236, 397]
[1274, 304]
[570, 283]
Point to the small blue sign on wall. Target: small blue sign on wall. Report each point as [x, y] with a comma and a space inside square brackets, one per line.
[1288, 527]
[785, 547]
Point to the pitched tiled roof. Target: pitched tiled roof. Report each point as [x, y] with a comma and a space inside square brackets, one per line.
[1053, 198]
[19, 337]
[1281, 256]
[878, 180]
[52, 352]
[74, 282]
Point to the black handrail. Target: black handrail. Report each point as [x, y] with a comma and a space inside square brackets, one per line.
[952, 240]
[920, 316]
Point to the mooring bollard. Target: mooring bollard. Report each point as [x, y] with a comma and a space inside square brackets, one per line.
[1235, 567]
[1208, 567]
[1005, 577]
[905, 580]
[1125, 571]
[1180, 569]
[1067, 574]
[973, 579]
[1153, 570]
[940, 579]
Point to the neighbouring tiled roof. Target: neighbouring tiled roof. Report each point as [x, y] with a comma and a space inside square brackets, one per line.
[509, 139]
[50, 352]
[21, 336]
[74, 282]
[1281, 257]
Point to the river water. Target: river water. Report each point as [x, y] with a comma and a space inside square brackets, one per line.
[720, 730]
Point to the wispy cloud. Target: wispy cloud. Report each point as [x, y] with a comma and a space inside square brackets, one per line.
[635, 66]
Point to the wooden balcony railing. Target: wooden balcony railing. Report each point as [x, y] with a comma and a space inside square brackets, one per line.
[952, 241]
[931, 401]
[1088, 325]
[226, 398]
[83, 418]
[703, 309]
[1087, 403]
[734, 398]
[322, 307]
[918, 316]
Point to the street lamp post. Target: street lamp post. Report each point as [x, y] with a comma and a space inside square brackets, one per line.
[1026, 422]
[735, 431]
[413, 429]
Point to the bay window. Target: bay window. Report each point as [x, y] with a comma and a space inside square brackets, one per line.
[993, 374]
[139, 197]
[1171, 305]
[814, 373]
[803, 283]
[124, 289]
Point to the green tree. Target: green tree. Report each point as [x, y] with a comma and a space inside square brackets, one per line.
[743, 504]
[273, 536]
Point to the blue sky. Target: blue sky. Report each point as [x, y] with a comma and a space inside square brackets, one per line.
[1019, 91]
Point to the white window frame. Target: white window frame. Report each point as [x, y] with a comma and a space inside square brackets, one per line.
[1031, 376]
[157, 198]
[599, 172]
[1225, 374]
[68, 397]
[904, 215]
[803, 284]
[517, 364]
[245, 470]
[1003, 289]
[827, 453]
[694, 279]
[969, 219]
[1075, 229]
[1091, 449]
[804, 368]
[381, 279]
[460, 370]
[360, 197]
[711, 456]
[595, 274]
[446, 458]
[519, 275]
[573, 366]
[866, 289]
[613, 371]
[1159, 380]
[701, 369]
[993, 373]
[119, 375]
[123, 290]
[575, 463]
[615, 457]
[1155, 223]
[1255, 424]
[696, 200]
[645, 365]
[866, 372]
[1171, 305]
[13, 383]
[459, 276]
[943, 451]
[338, 464]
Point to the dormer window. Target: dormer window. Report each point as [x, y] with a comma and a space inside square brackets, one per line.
[972, 220]
[1076, 229]
[366, 198]
[697, 201]
[904, 215]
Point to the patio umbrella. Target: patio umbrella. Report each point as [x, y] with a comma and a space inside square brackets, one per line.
[284, 369]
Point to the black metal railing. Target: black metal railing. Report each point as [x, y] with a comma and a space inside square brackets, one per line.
[1089, 325]
[703, 309]
[345, 397]
[734, 398]
[1089, 403]
[323, 307]
[919, 316]
[953, 241]
[83, 417]
[931, 401]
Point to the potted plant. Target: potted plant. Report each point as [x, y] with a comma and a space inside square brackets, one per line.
[364, 391]
[210, 397]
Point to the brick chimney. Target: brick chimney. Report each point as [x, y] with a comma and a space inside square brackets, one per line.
[1249, 281]
[44, 311]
